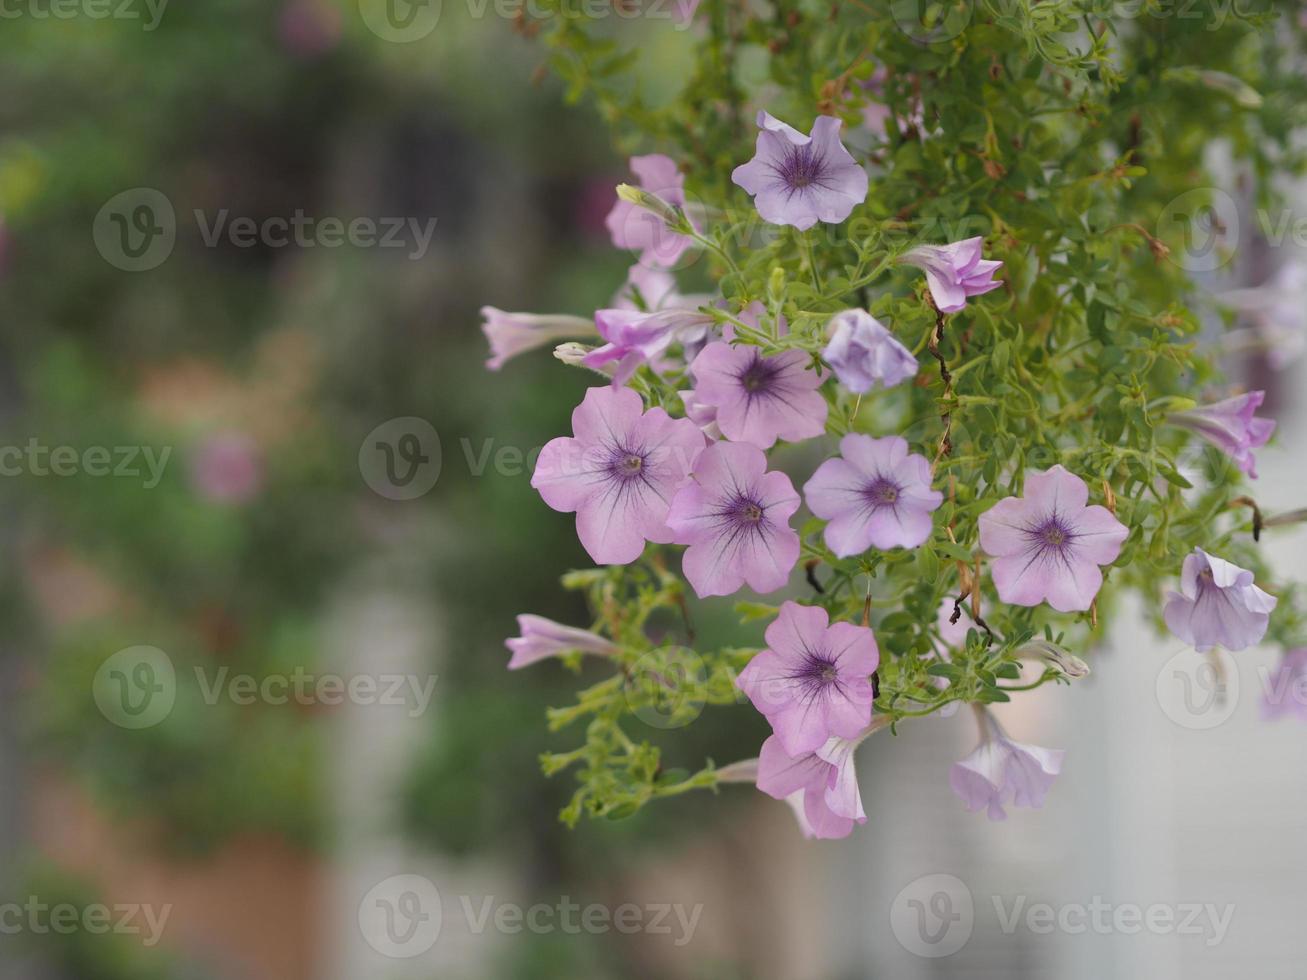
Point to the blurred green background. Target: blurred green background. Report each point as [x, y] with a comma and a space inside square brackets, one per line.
[251, 375]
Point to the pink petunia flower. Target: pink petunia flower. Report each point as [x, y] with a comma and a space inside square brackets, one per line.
[760, 398]
[638, 229]
[511, 334]
[1048, 545]
[635, 337]
[954, 272]
[799, 180]
[813, 681]
[1285, 690]
[734, 515]
[1231, 426]
[618, 472]
[1001, 771]
[875, 493]
[647, 290]
[1217, 605]
[863, 353]
[543, 638]
[826, 779]
[704, 416]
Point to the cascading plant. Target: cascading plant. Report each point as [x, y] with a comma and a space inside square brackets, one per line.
[1004, 456]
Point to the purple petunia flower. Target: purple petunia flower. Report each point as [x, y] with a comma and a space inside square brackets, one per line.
[1001, 771]
[1285, 690]
[1231, 426]
[760, 398]
[1217, 605]
[826, 779]
[543, 638]
[735, 517]
[618, 472]
[1048, 545]
[635, 337]
[638, 229]
[813, 681]
[799, 180]
[511, 334]
[704, 416]
[863, 353]
[954, 272]
[874, 494]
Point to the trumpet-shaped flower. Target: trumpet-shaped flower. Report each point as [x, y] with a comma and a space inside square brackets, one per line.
[863, 353]
[1001, 771]
[511, 334]
[543, 638]
[799, 180]
[1231, 426]
[1217, 605]
[618, 472]
[760, 398]
[954, 272]
[826, 778]
[813, 681]
[734, 515]
[875, 493]
[1047, 546]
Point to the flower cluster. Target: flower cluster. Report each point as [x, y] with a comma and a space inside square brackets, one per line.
[944, 562]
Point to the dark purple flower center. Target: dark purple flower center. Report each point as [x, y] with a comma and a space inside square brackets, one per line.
[818, 675]
[759, 376]
[882, 492]
[1052, 536]
[626, 463]
[745, 511]
[802, 167]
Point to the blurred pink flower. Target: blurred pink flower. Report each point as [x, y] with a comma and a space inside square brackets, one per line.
[227, 468]
[1232, 426]
[309, 28]
[1001, 771]
[635, 228]
[543, 638]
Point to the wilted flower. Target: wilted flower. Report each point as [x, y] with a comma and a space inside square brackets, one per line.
[636, 228]
[734, 515]
[542, 638]
[760, 398]
[875, 493]
[1001, 771]
[954, 272]
[1217, 605]
[1048, 545]
[799, 180]
[863, 353]
[1231, 426]
[511, 334]
[813, 681]
[618, 472]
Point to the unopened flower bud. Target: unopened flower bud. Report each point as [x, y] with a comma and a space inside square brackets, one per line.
[1059, 658]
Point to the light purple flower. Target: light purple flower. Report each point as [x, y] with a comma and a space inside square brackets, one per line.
[1001, 771]
[1231, 426]
[864, 353]
[635, 337]
[734, 515]
[760, 398]
[1286, 689]
[543, 638]
[618, 472]
[704, 416]
[511, 334]
[875, 493]
[638, 229]
[1048, 545]
[227, 468]
[1217, 605]
[826, 779]
[799, 180]
[813, 681]
[647, 289]
[954, 272]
